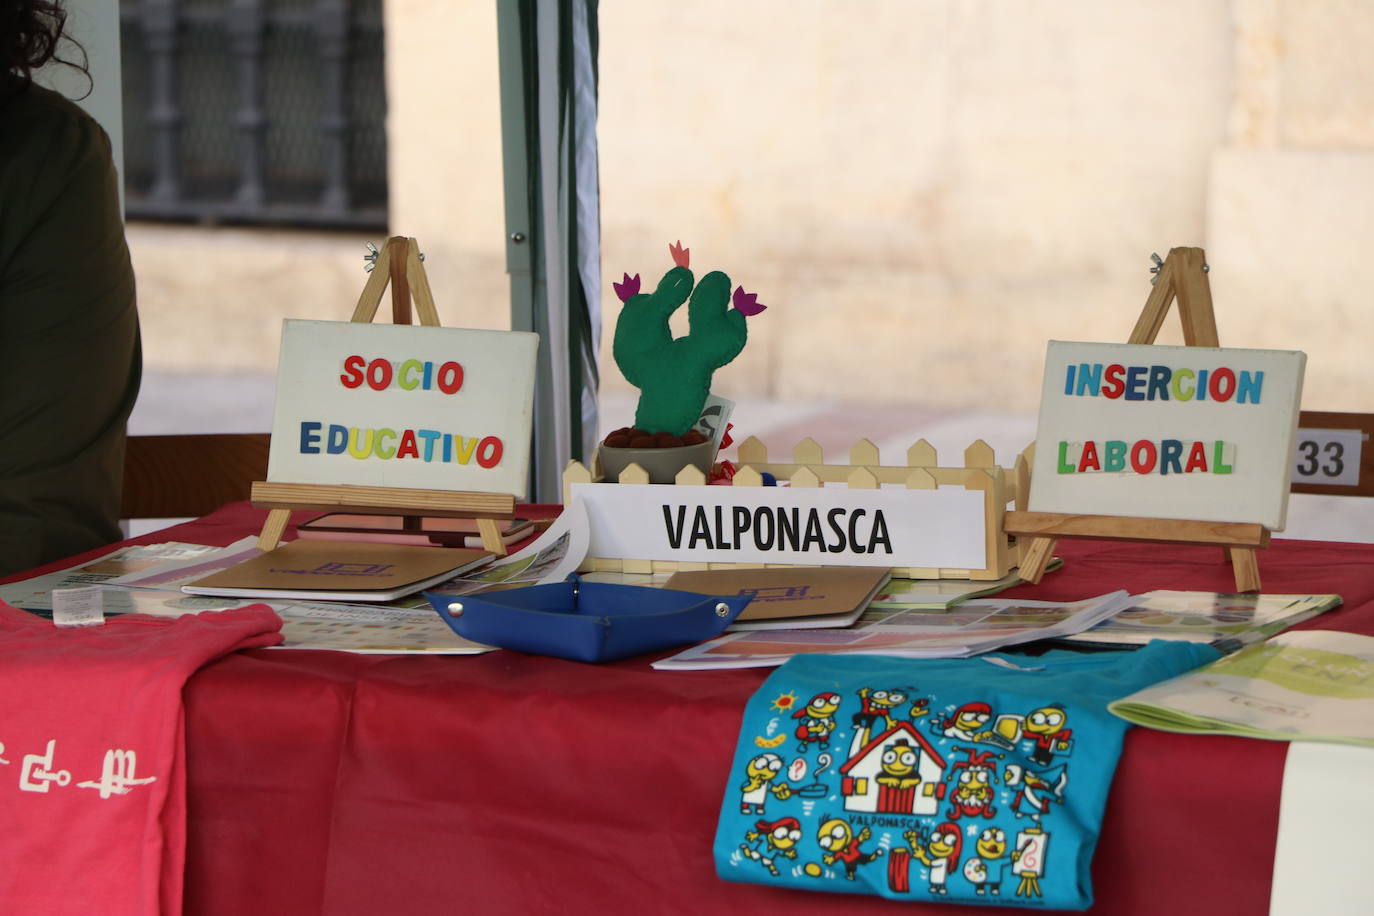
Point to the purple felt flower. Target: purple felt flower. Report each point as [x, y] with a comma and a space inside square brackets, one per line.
[627, 288]
[747, 303]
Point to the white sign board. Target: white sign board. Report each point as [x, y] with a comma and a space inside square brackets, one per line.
[403, 406]
[941, 528]
[1152, 431]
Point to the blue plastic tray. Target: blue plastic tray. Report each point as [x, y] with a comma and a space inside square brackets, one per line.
[587, 621]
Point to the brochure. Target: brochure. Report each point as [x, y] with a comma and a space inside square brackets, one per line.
[967, 629]
[789, 597]
[370, 630]
[1306, 685]
[552, 558]
[938, 594]
[1229, 620]
[174, 572]
[311, 625]
[35, 593]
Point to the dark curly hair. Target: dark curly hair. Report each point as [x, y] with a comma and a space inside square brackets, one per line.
[30, 33]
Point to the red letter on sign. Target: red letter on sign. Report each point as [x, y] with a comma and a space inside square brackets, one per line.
[450, 377]
[1114, 386]
[489, 452]
[1088, 460]
[1143, 456]
[378, 374]
[352, 375]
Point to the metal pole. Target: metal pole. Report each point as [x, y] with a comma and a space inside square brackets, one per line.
[244, 19]
[519, 134]
[161, 27]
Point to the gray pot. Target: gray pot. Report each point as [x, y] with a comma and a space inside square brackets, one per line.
[661, 463]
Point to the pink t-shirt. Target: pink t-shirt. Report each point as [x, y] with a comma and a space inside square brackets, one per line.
[92, 768]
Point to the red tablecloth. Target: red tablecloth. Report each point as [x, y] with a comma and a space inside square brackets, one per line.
[321, 782]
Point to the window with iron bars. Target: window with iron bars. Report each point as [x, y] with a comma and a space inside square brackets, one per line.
[264, 112]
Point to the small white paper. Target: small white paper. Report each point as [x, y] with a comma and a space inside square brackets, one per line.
[1328, 456]
[78, 607]
[714, 419]
[1006, 663]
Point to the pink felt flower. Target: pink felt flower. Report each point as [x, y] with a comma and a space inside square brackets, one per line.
[626, 288]
[681, 256]
[747, 303]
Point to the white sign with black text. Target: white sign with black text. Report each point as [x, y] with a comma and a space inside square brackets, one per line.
[942, 528]
[1328, 456]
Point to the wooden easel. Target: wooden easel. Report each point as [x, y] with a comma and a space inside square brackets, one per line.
[398, 264]
[1182, 275]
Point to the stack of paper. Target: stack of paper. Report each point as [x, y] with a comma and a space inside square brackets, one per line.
[968, 629]
[1227, 620]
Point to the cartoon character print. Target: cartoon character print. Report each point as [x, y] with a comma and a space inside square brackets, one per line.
[1036, 790]
[967, 788]
[770, 839]
[882, 704]
[939, 853]
[899, 766]
[818, 721]
[841, 845]
[919, 707]
[967, 724]
[1045, 727]
[1031, 846]
[988, 868]
[759, 775]
[973, 779]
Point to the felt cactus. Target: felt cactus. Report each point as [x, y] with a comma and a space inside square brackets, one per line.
[674, 375]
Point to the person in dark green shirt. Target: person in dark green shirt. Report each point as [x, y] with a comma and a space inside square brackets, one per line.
[70, 358]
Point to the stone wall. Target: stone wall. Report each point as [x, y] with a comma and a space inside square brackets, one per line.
[1290, 196]
[923, 192]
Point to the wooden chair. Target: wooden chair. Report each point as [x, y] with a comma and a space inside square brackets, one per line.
[190, 475]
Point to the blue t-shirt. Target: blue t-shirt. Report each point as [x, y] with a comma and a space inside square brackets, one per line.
[976, 780]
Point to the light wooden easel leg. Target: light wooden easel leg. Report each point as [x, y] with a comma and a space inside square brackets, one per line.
[491, 536]
[1035, 559]
[273, 529]
[1245, 563]
[371, 297]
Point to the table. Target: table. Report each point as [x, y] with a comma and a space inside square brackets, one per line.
[321, 782]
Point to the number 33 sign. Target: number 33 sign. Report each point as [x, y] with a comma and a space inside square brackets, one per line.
[1332, 454]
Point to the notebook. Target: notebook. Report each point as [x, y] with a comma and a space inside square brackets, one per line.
[791, 596]
[337, 571]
